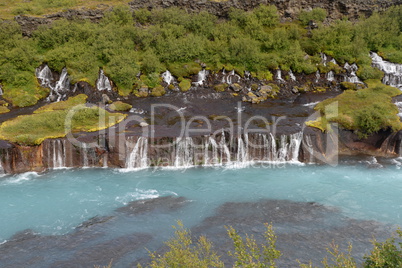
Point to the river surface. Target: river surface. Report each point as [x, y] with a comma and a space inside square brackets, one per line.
[78, 218]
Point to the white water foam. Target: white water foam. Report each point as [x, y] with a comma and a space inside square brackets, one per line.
[139, 194]
[393, 71]
[20, 178]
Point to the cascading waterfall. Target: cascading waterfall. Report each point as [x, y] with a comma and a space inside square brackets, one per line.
[317, 76]
[330, 76]
[1, 90]
[292, 76]
[278, 76]
[184, 153]
[167, 77]
[58, 153]
[201, 78]
[138, 157]
[352, 77]
[45, 76]
[393, 71]
[239, 152]
[84, 153]
[103, 82]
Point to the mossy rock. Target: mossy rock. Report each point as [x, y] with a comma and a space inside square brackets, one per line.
[120, 106]
[221, 87]
[158, 91]
[4, 109]
[254, 87]
[320, 89]
[348, 86]
[185, 85]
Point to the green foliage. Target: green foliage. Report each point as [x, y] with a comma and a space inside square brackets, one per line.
[365, 111]
[316, 14]
[387, 254]
[184, 252]
[125, 43]
[249, 254]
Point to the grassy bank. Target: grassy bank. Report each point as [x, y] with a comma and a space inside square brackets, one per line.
[50, 122]
[364, 111]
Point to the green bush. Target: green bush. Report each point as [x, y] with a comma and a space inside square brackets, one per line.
[316, 14]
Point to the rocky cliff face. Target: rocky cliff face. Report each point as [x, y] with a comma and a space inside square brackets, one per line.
[287, 8]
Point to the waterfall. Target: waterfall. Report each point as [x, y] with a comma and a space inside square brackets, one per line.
[2, 172]
[330, 76]
[58, 153]
[393, 71]
[202, 76]
[242, 156]
[278, 76]
[64, 82]
[138, 157]
[240, 152]
[352, 77]
[324, 59]
[292, 76]
[167, 77]
[103, 82]
[334, 61]
[45, 75]
[184, 153]
[84, 153]
[317, 76]
[1, 90]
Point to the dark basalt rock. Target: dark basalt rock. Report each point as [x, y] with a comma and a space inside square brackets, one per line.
[167, 203]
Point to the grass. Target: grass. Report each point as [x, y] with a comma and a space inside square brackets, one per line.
[11, 8]
[365, 111]
[63, 105]
[50, 122]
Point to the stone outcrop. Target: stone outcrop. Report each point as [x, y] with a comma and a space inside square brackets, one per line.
[29, 23]
[287, 8]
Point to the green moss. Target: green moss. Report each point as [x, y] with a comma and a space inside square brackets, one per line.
[63, 105]
[4, 110]
[348, 86]
[185, 85]
[34, 129]
[364, 111]
[120, 106]
[221, 87]
[158, 91]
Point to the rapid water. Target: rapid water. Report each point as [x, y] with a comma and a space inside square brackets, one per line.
[58, 201]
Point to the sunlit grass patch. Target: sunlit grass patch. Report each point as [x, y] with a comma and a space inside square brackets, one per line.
[52, 122]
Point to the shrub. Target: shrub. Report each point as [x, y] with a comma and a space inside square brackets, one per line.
[316, 14]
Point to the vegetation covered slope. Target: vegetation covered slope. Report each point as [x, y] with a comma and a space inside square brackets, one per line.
[126, 43]
[365, 111]
[50, 121]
